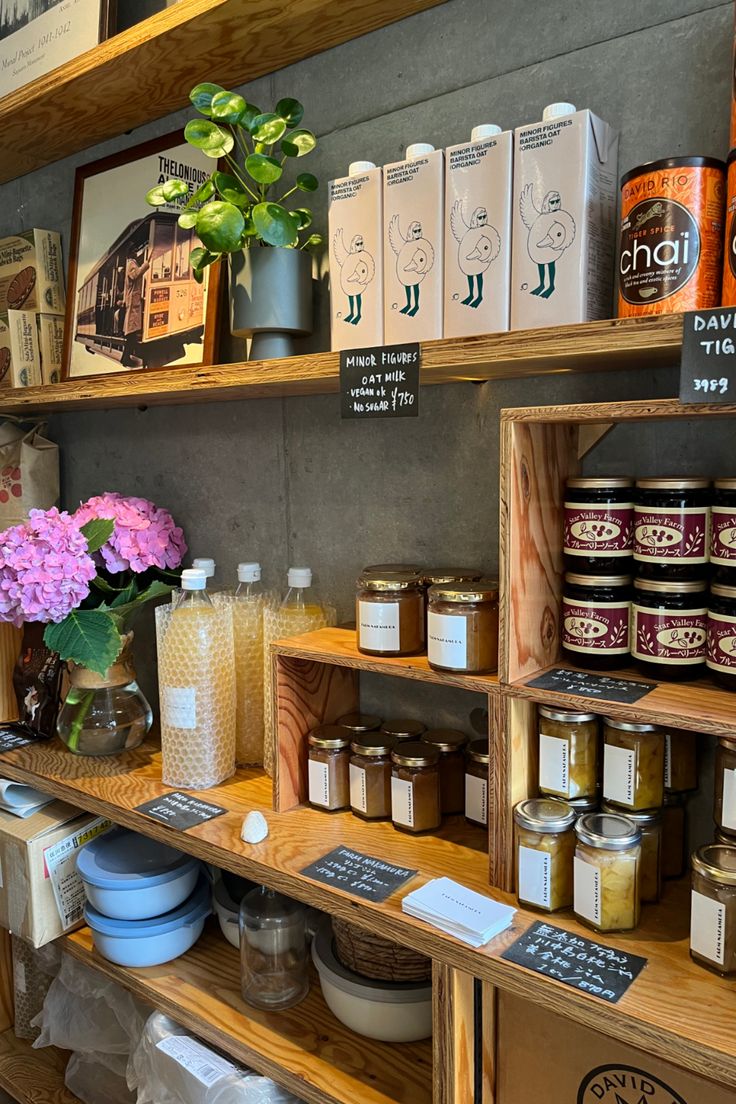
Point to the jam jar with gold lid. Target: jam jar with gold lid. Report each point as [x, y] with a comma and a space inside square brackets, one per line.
[403, 729]
[328, 767]
[595, 620]
[451, 744]
[462, 627]
[606, 873]
[370, 775]
[477, 766]
[598, 525]
[403, 569]
[713, 908]
[389, 614]
[444, 576]
[669, 628]
[415, 787]
[672, 527]
[720, 657]
[360, 722]
[723, 529]
[545, 846]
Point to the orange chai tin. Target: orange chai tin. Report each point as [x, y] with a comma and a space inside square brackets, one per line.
[671, 236]
[728, 296]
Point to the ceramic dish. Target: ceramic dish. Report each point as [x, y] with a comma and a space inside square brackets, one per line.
[227, 911]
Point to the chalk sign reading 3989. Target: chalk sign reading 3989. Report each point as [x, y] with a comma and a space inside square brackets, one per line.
[382, 382]
[708, 360]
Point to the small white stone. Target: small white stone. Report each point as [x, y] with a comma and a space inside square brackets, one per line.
[255, 828]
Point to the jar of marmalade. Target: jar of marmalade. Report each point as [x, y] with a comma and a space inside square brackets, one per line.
[595, 620]
[415, 787]
[649, 822]
[598, 525]
[672, 528]
[668, 628]
[723, 527]
[720, 655]
[607, 871]
[633, 764]
[370, 776]
[713, 908]
[568, 753]
[451, 745]
[545, 846]
[674, 835]
[476, 783]
[724, 804]
[389, 614]
[680, 761]
[462, 627]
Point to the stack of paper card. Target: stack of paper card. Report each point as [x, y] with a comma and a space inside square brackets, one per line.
[21, 801]
[459, 911]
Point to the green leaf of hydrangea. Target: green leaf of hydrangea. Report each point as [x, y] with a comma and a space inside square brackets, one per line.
[88, 637]
[97, 532]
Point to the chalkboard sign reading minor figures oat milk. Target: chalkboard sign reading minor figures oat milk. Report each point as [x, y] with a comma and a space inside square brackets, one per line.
[382, 382]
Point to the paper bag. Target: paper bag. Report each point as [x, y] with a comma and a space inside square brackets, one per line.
[29, 471]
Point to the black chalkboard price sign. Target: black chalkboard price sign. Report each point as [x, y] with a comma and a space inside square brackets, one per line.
[180, 810]
[382, 382]
[708, 358]
[603, 687]
[358, 874]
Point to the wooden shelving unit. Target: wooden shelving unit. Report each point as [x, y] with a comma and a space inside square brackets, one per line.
[33, 1076]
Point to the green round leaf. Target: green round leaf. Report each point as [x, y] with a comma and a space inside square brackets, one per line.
[166, 192]
[155, 196]
[210, 138]
[303, 217]
[313, 239]
[219, 226]
[229, 188]
[268, 128]
[203, 192]
[248, 116]
[201, 97]
[263, 169]
[227, 107]
[274, 224]
[291, 111]
[307, 183]
[298, 143]
[188, 219]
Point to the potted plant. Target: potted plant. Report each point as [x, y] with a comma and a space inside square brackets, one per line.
[240, 212]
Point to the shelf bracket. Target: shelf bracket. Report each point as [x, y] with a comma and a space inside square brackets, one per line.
[590, 435]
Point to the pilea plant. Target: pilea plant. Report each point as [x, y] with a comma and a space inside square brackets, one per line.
[234, 210]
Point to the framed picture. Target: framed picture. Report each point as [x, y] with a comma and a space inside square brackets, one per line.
[36, 36]
[132, 301]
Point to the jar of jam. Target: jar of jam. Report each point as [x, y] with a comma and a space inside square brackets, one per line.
[415, 787]
[389, 614]
[672, 528]
[579, 805]
[329, 767]
[595, 620]
[403, 569]
[370, 776]
[568, 753]
[462, 627]
[675, 850]
[403, 729]
[545, 846]
[720, 657]
[451, 745]
[606, 875]
[724, 804]
[723, 527]
[713, 908]
[633, 764]
[649, 822]
[668, 628]
[680, 761]
[360, 722]
[598, 525]
[445, 576]
[477, 767]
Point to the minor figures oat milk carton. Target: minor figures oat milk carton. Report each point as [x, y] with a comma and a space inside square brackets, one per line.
[356, 257]
[478, 232]
[564, 210]
[413, 202]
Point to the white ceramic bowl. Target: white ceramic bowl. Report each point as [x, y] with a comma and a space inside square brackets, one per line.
[227, 913]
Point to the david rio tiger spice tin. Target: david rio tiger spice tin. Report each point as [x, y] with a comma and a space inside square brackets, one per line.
[728, 296]
[671, 236]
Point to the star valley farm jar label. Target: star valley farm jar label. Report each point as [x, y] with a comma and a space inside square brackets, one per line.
[721, 648]
[595, 627]
[723, 535]
[662, 536]
[668, 636]
[595, 530]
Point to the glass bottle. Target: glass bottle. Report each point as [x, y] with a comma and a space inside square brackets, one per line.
[273, 950]
[208, 565]
[370, 775]
[248, 645]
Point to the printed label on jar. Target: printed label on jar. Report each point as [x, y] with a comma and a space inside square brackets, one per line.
[534, 876]
[708, 927]
[378, 629]
[554, 765]
[664, 536]
[668, 637]
[180, 706]
[402, 802]
[721, 649]
[594, 530]
[723, 535]
[447, 640]
[619, 774]
[319, 783]
[728, 813]
[357, 788]
[587, 890]
[596, 627]
[476, 799]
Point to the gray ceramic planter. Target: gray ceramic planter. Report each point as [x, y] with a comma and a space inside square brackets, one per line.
[270, 299]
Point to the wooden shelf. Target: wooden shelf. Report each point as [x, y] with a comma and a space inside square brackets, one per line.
[614, 344]
[603, 414]
[146, 71]
[33, 1076]
[305, 1048]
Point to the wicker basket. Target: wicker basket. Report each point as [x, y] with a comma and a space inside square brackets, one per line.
[370, 955]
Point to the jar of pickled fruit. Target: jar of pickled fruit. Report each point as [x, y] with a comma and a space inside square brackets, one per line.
[680, 761]
[403, 729]
[669, 628]
[633, 764]
[451, 745]
[675, 852]
[476, 783]
[545, 846]
[462, 627]
[606, 893]
[579, 805]
[415, 787]
[568, 752]
[595, 620]
[329, 767]
[649, 821]
[713, 908]
[370, 776]
[389, 614]
[598, 532]
[724, 804]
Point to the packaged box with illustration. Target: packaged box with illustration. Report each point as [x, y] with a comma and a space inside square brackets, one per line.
[20, 357]
[51, 346]
[32, 272]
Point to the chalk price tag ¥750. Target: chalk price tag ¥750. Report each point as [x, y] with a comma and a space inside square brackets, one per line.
[382, 382]
[708, 358]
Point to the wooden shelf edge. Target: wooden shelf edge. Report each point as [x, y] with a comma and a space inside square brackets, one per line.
[636, 410]
[33, 1076]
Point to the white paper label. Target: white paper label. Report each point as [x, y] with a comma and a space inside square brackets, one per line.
[61, 863]
[587, 890]
[554, 765]
[707, 927]
[402, 802]
[378, 629]
[203, 1064]
[357, 788]
[619, 774]
[319, 783]
[534, 876]
[476, 798]
[447, 640]
[667, 761]
[728, 816]
[180, 706]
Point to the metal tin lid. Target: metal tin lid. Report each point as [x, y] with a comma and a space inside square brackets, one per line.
[478, 751]
[673, 483]
[725, 484]
[693, 162]
[373, 744]
[445, 739]
[403, 729]
[671, 586]
[360, 722]
[588, 483]
[642, 817]
[716, 861]
[597, 580]
[389, 580]
[553, 714]
[539, 814]
[628, 726]
[464, 592]
[413, 753]
[721, 590]
[401, 569]
[579, 804]
[330, 736]
[609, 831]
[435, 575]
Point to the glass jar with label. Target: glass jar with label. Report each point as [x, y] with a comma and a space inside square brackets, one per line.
[720, 655]
[403, 729]
[403, 569]
[451, 745]
[675, 851]
[633, 764]
[724, 804]
[668, 628]
[436, 576]
[462, 627]
[329, 767]
[477, 766]
[568, 753]
[680, 761]
[358, 723]
[415, 787]
[545, 846]
[713, 908]
[579, 805]
[389, 614]
[649, 822]
[370, 776]
[595, 620]
[606, 893]
[723, 528]
[598, 524]
[672, 527]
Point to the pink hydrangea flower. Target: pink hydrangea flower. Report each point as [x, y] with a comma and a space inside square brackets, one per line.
[45, 568]
[144, 536]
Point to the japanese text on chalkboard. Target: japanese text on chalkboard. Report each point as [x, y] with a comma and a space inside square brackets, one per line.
[359, 874]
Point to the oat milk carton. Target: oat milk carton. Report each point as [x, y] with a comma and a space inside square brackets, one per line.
[563, 210]
[413, 245]
[478, 232]
[356, 257]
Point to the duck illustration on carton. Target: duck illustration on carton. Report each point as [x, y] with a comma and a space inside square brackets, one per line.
[479, 245]
[414, 259]
[355, 234]
[357, 270]
[551, 232]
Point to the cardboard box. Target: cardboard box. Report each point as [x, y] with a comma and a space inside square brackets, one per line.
[31, 272]
[355, 204]
[575, 1065]
[20, 356]
[51, 346]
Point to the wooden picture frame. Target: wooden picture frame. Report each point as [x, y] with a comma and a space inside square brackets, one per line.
[132, 302]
